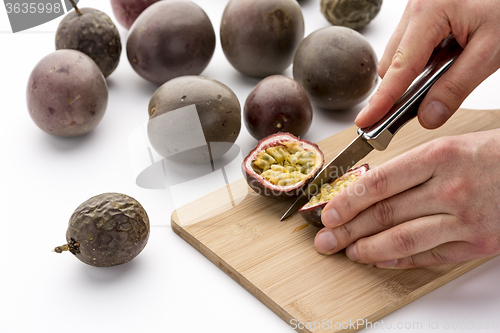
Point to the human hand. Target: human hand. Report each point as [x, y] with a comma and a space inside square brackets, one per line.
[438, 203]
[474, 24]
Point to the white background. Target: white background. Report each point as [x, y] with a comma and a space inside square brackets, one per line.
[170, 287]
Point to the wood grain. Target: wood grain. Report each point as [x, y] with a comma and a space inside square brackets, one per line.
[241, 233]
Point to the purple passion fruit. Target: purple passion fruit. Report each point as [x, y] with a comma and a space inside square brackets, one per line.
[260, 37]
[107, 230]
[66, 94]
[277, 104]
[170, 39]
[337, 67]
[281, 165]
[311, 211]
[190, 114]
[92, 32]
[127, 11]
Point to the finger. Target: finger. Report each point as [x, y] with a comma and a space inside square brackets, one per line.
[410, 58]
[394, 41]
[381, 216]
[406, 239]
[379, 183]
[444, 254]
[471, 68]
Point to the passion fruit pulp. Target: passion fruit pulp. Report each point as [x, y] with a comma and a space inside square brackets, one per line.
[281, 165]
[311, 211]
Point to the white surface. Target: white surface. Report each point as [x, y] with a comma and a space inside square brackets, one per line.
[170, 287]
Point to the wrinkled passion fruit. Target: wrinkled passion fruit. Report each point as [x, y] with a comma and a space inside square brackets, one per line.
[354, 14]
[311, 211]
[106, 230]
[281, 164]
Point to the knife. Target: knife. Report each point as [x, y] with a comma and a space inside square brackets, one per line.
[379, 135]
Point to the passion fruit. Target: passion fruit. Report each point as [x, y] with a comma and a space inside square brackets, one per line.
[193, 119]
[66, 94]
[171, 39]
[277, 104]
[281, 165]
[354, 14]
[106, 230]
[260, 37]
[127, 11]
[311, 211]
[92, 32]
[337, 67]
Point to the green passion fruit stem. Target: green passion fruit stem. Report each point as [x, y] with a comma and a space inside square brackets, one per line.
[77, 10]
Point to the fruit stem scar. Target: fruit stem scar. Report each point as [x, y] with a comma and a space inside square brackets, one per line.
[77, 10]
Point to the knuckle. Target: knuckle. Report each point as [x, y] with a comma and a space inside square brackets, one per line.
[403, 241]
[344, 203]
[442, 150]
[456, 191]
[376, 182]
[365, 250]
[400, 62]
[383, 213]
[411, 262]
[486, 246]
[437, 258]
[346, 232]
[455, 89]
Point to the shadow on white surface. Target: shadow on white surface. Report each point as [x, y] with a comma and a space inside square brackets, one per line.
[105, 275]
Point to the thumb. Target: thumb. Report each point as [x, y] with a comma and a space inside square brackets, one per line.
[471, 68]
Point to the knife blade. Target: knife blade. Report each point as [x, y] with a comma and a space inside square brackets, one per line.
[344, 161]
[379, 135]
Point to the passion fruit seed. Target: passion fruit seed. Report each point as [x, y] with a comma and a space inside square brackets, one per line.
[281, 165]
[328, 191]
[311, 211]
[285, 165]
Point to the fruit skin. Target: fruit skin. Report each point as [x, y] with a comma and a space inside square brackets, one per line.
[337, 67]
[354, 14]
[312, 214]
[277, 104]
[92, 33]
[127, 11]
[260, 37]
[108, 229]
[66, 94]
[170, 39]
[261, 185]
[218, 112]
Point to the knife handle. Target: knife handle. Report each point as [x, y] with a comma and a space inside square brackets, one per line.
[406, 108]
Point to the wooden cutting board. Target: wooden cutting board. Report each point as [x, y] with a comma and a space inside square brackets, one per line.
[241, 233]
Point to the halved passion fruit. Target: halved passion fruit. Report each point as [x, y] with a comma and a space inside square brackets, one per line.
[311, 211]
[281, 164]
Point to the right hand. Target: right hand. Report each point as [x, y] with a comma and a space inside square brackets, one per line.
[425, 23]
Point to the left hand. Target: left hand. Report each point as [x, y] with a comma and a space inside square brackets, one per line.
[438, 203]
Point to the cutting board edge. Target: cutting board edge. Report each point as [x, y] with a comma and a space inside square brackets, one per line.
[424, 290]
[282, 313]
[235, 275]
[287, 317]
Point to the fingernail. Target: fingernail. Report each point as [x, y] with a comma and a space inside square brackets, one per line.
[387, 264]
[325, 242]
[330, 218]
[435, 114]
[352, 252]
